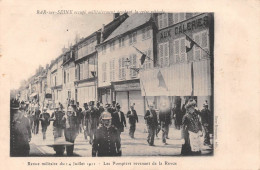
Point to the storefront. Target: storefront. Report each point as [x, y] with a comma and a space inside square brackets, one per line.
[128, 93]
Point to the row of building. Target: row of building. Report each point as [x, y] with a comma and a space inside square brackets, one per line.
[106, 67]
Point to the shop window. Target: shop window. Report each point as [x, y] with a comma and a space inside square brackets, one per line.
[164, 54]
[202, 39]
[163, 20]
[121, 42]
[104, 74]
[112, 70]
[179, 50]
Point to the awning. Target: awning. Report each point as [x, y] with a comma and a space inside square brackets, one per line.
[176, 80]
[33, 94]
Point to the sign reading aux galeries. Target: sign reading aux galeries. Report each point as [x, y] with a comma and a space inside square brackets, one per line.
[193, 24]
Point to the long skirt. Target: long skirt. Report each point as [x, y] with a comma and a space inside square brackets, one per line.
[195, 141]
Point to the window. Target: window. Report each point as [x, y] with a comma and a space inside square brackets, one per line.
[121, 63]
[179, 50]
[163, 20]
[81, 71]
[133, 64]
[202, 39]
[68, 77]
[112, 70]
[164, 54]
[148, 61]
[64, 77]
[178, 17]
[112, 46]
[86, 70]
[76, 72]
[132, 38]
[104, 49]
[104, 76]
[146, 33]
[121, 42]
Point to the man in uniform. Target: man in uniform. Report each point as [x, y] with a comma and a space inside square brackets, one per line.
[205, 120]
[20, 131]
[36, 119]
[165, 120]
[106, 141]
[58, 127]
[71, 130]
[80, 117]
[152, 122]
[133, 118]
[45, 122]
[85, 121]
[118, 119]
[94, 120]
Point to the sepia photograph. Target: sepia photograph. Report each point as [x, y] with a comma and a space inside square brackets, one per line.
[113, 85]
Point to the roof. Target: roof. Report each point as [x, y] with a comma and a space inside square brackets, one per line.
[130, 23]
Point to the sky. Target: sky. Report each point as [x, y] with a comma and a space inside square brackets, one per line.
[31, 40]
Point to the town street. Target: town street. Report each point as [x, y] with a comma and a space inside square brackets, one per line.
[130, 147]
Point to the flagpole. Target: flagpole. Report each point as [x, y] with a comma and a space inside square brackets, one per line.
[197, 44]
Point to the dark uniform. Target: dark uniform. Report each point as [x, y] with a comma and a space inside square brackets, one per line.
[165, 121]
[45, 122]
[71, 130]
[106, 142]
[20, 132]
[36, 121]
[93, 121]
[152, 122]
[133, 118]
[205, 120]
[85, 121]
[58, 129]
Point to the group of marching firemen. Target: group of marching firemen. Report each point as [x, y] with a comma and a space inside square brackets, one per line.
[102, 126]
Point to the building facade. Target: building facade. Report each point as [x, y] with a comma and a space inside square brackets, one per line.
[116, 82]
[180, 70]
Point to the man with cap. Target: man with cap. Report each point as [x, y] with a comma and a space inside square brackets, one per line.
[45, 121]
[205, 120]
[118, 119]
[20, 131]
[113, 107]
[165, 120]
[152, 122]
[86, 121]
[58, 116]
[94, 120]
[133, 118]
[36, 120]
[71, 130]
[106, 141]
[192, 130]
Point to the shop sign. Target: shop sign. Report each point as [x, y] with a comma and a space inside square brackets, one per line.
[127, 87]
[196, 23]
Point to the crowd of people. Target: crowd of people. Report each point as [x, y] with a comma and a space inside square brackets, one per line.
[102, 125]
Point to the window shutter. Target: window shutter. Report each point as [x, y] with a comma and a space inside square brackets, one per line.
[176, 18]
[166, 54]
[113, 65]
[123, 68]
[197, 49]
[131, 63]
[177, 50]
[111, 68]
[182, 16]
[183, 50]
[204, 44]
[105, 74]
[134, 63]
[120, 68]
[165, 20]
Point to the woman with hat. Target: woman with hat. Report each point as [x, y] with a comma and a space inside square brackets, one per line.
[192, 130]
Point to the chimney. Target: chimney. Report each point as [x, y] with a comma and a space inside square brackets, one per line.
[116, 15]
[102, 32]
